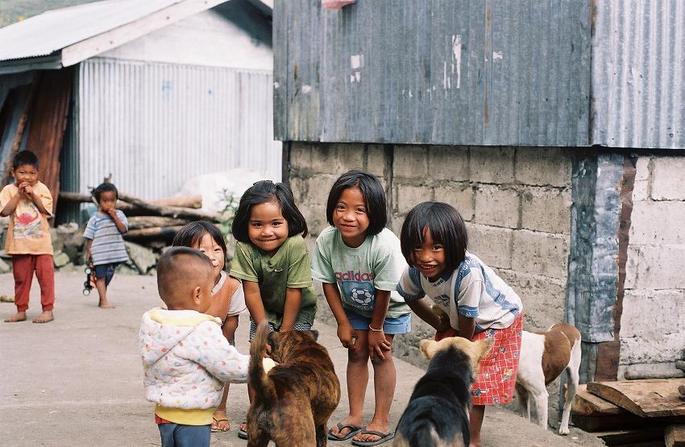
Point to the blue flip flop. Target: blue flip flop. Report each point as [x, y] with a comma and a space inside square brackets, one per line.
[353, 430]
[384, 437]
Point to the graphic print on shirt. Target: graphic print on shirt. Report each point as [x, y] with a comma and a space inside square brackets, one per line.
[27, 222]
[358, 288]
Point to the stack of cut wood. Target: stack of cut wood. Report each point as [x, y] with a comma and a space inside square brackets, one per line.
[635, 413]
[153, 223]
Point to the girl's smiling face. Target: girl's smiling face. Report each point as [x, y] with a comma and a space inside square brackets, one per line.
[350, 216]
[214, 252]
[267, 228]
[429, 257]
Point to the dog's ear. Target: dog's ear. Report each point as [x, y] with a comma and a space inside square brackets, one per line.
[314, 333]
[480, 349]
[428, 348]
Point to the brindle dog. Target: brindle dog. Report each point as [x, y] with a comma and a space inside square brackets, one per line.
[292, 403]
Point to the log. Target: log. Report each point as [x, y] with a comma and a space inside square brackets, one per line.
[153, 233]
[168, 211]
[194, 202]
[646, 398]
[138, 222]
[587, 404]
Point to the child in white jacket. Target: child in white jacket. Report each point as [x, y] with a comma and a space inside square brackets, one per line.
[186, 357]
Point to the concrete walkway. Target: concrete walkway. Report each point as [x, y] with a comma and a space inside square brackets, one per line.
[78, 380]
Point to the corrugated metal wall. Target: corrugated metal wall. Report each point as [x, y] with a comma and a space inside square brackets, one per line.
[152, 126]
[638, 77]
[456, 72]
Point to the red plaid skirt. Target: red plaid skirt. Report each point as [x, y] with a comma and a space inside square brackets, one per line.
[496, 378]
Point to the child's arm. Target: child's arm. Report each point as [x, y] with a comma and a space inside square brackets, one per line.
[291, 308]
[121, 226]
[377, 341]
[345, 331]
[253, 301]
[86, 251]
[11, 204]
[35, 198]
[422, 307]
[467, 327]
[216, 355]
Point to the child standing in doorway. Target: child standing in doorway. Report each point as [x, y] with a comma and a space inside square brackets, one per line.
[272, 260]
[105, 247]
[359, 263]
[228, 301]
[478, 302]
[28, 202]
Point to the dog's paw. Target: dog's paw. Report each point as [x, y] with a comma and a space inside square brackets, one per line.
[563, 430]
[268, 364]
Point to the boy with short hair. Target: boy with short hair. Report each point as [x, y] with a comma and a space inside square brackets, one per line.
[186, 357]
[28, 203]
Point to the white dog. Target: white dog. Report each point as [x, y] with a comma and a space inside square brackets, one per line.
[544, 356]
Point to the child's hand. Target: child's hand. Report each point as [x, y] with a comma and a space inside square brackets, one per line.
[439, 335]
[346, 335]
[111, 212]
[378, 344]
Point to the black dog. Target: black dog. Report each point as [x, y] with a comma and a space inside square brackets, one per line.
[437, 413]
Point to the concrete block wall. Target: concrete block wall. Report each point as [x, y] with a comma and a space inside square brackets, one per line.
[652, 335]
[515, 201]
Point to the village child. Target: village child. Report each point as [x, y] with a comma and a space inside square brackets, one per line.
[28, 203]
[478, 302]
[186, 357]
[272, 260]
[359, 263]
[228, 301]
[105, 247]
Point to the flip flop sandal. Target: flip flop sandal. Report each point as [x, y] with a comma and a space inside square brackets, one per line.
[242, 433]
[215, 425]
[384, 437]
[353, 430]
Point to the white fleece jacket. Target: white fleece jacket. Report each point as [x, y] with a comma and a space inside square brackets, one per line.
[186, 360]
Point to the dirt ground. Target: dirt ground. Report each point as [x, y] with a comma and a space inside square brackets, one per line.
[78, 380]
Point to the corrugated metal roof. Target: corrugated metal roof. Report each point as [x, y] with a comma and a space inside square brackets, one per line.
[469, 72]
[51, 31]
[638, 74]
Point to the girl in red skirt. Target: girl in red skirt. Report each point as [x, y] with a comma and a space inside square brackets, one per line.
[477, 301]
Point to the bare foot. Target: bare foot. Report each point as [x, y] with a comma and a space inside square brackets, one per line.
[19, 316]
[45, 317]
[106, 305]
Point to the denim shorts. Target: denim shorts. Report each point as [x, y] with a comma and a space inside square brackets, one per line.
[105, 271]
[297, 327]
[391, 326]
[178, 435]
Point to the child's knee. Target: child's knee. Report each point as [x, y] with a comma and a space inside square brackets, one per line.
[358, 355]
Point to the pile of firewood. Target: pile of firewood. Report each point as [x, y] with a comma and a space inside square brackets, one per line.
[153, 223]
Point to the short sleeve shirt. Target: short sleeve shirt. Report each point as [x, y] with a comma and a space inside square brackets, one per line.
[236, 305]
[375, 265]
[108, 243]
[28, 232]
[289, 267]
[473, 290]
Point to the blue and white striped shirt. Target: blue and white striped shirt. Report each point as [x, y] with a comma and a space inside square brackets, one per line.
[473, 290]
[108, 244]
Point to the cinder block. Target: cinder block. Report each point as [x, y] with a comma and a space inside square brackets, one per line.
[655, 267]
[546, 209]
[668, 176]
[491, 244]
[543, 166]
[653, 314]
[410, 162]
[543, 298]
[337, 158]
[642, 178]
[448, 163]
[301, 155]
[657, 223]
[664, 370]
[540, 253]
[408, 196]
[459, 195]
[666, 348]
[497, 206]
[315, 216]
[492, 164]
[375, 159]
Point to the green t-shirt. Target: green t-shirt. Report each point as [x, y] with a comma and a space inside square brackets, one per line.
[289, 267]
[377, 264]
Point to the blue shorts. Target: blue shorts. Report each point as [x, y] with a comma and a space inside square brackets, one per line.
[391, 326]
[105, 271]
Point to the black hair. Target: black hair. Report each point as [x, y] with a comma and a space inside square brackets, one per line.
[191, 234]
[374, 198]
[105, 187]
[446, 227]
[168, 267]
[25, 158]
[262, 192]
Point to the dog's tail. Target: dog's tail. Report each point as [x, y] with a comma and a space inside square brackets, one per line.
[258, 379]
